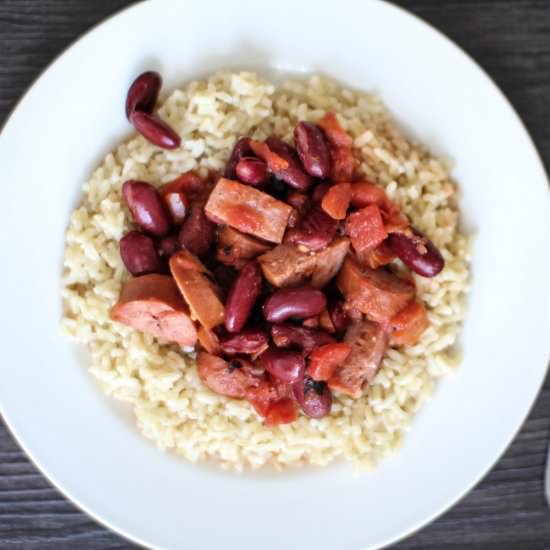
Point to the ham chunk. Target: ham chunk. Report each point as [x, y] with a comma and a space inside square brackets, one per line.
[368, 343]
[378, 293]
[288, 265]
[198, 290]
[152, 304]
[236, 249]
[329, 261]
[248, 210]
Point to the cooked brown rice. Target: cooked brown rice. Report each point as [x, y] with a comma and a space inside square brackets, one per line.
[171, 405]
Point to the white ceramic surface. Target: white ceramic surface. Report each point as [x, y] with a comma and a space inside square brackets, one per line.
[89, 447]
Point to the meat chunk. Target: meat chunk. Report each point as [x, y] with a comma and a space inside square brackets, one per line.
[222, 377]
[248, 210]
[329, 262]
[368, 343]
[152, 304]
[288, 265]
[379, 294]
[237, 249]
[199, 292]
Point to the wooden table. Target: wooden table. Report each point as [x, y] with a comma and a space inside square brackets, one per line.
[507, 510]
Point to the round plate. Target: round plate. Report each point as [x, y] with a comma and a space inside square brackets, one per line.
[88, 445]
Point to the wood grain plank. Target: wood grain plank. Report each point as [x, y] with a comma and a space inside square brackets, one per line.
[506, 511]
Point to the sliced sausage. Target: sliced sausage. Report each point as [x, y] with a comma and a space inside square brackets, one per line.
[199, 292]
[379, 293]
[185, 260]
[152, 304]
[287, 265]
[368, 343]
[225, 378]
[236, 249]
[248, 210]
[329, 261]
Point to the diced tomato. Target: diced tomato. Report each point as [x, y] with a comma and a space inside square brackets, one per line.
[284, 411]
[364, 193]
[377, 257]
[189, 183]
[366, 228]
[336, 135]
[326, 359]
[336, 200]
[274, 162]
[408, 325]
[343, 164]
[261, 397]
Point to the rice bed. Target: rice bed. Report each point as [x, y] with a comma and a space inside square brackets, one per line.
[172, 407]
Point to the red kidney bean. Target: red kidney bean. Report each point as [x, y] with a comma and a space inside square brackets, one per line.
[138, 253]
[240, 150]
[197, 232]
[142, 94]
[168, 245]
[316, 230]
[155, 130]
[312, 149]
[417, 252]
[294, 175]
[249, 342]
[314, 398]
[242, 296]
[146, 206]
[177, 204]
[285, 365]
[251, 170]
[300, 302]
[320, 191]
[289, 336]
[300, 203]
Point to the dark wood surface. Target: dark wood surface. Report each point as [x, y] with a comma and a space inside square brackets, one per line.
[507, 510]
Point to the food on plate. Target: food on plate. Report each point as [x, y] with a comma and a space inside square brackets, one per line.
[269, 276]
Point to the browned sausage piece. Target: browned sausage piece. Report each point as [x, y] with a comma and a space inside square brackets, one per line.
[288, 265]
[368, 343]
[226, 378]
[199, 292]
[329, 262]
[378, 293]
[237, 249]
[152, 304]
[248, 210]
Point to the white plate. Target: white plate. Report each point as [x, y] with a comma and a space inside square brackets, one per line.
[90, 448]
